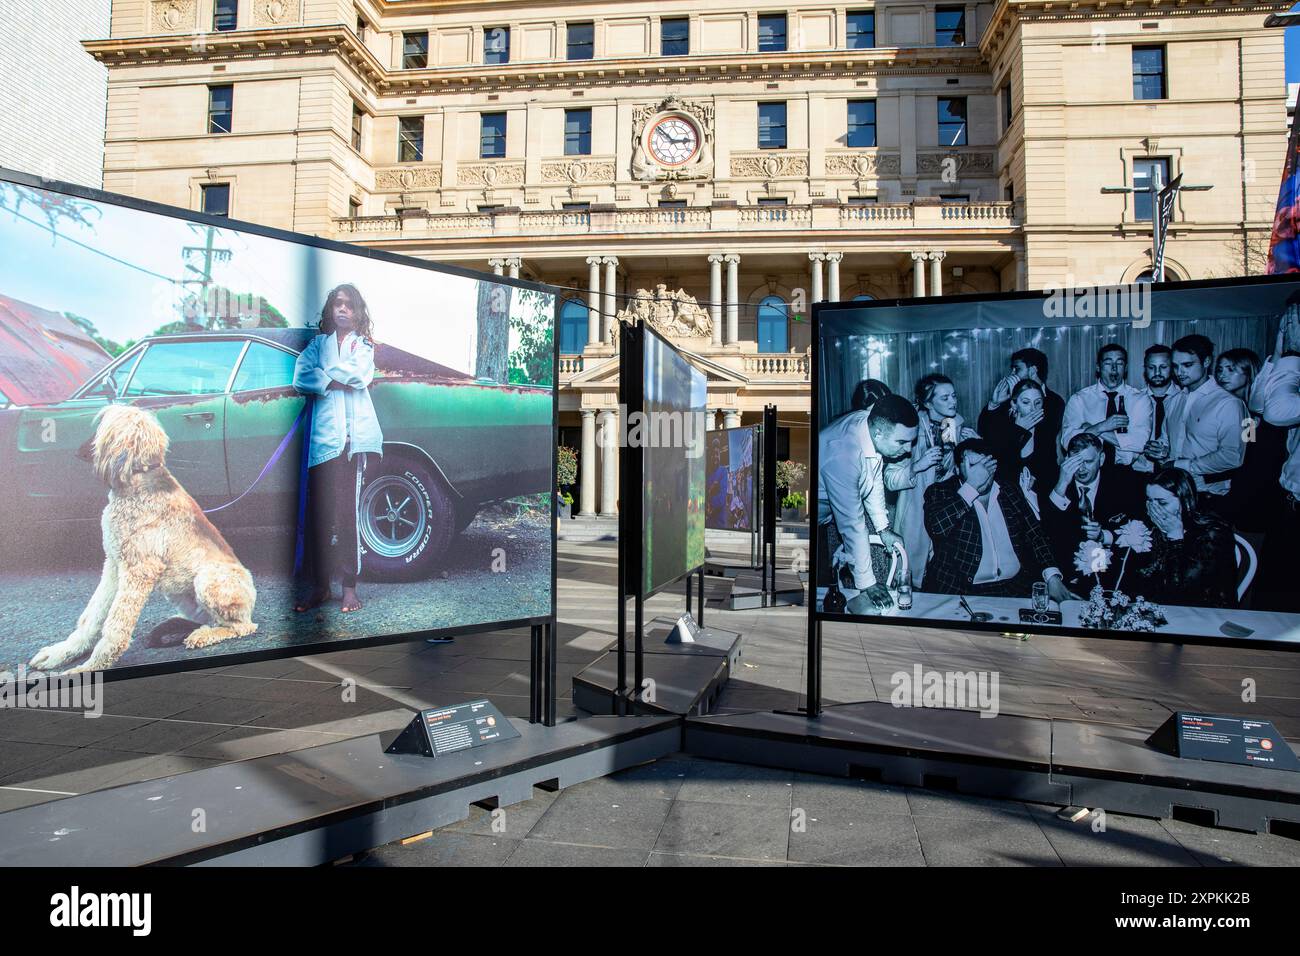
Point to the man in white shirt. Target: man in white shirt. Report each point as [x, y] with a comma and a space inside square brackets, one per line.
[1205, 422]
[1276, 394]
[1158, 374]
[1111, 409]
[851, 463]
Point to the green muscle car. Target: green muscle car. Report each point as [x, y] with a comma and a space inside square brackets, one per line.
[451, 444]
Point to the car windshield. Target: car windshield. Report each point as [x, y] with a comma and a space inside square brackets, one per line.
[185, 368]
[110, 383]
[265, 367]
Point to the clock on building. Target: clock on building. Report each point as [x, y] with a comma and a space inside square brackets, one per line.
[673, 140]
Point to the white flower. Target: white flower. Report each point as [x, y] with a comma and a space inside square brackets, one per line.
[1135, 535]
[1091, 558]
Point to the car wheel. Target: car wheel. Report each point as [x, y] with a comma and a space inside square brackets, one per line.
[405, 520]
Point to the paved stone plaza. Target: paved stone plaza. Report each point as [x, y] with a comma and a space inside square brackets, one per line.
[679, 810]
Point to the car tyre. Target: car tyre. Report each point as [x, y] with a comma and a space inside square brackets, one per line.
[405, 520]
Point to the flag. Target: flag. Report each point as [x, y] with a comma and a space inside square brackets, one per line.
[1164, 214]
[1284, 245]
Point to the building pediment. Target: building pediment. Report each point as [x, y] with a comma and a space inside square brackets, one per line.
[603, 372]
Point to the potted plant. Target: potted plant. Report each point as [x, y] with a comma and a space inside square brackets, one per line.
[792, 506]
[788, 474]
[566, 473]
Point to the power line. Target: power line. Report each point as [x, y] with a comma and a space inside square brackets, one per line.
[98, 252]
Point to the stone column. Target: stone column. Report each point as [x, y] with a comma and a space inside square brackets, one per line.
[733, 297]
[513, 264]
[816, 259]
[715, 296]
[609, 462]
[593, 301]
[587, 465]
[833, 276]
[710, 419]
[936, 273]
[498, 266]
[730, 418]
[918, 274]
[610, 307]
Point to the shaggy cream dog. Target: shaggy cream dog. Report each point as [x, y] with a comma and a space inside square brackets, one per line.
[155, 535]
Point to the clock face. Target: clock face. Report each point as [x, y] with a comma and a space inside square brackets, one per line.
[673, 140]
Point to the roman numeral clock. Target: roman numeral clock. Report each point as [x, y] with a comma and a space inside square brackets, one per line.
[672, 140]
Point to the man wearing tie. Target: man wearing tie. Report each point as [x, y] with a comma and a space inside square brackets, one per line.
[1111, 409]
[1157, 372]
[1091, 499]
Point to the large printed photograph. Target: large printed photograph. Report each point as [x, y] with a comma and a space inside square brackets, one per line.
[1119, 460]
[729, 464]
[672, 465]
[218, 442]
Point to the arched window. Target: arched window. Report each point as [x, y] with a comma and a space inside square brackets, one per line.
[573, 326]
[863, 297]
[1170, 276]
[773, 325]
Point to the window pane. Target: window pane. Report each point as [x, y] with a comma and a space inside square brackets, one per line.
[573, 327]
[216, 199]
[862, 123]
[1149, 73]
[771, 32]
[221, 100]
[772, 325]
[675, 37]
[861, 30]
[185, 368]
[224, 15]
[950, 26]
[577, 132]
[415, 51]
[492, 136]
[410, 139]
[952, 121]
[771, 125]
[582, 41]
[496, 45]
[265, 367]
[1147, 173]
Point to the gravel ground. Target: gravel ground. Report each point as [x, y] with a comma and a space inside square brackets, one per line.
[42, 608]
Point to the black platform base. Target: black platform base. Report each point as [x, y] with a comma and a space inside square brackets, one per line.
[728, 567]
[313, 806]
[687, 677]
[1068, 763]
[747, 591]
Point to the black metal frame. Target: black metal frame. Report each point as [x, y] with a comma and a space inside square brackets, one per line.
[631, 516]
[542, 704]
[817, 617]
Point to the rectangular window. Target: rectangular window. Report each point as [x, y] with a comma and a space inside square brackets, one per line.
[771, 126]
[1007, 107]
[675, 36]
[216, 199]
[581, 41]
[1149, 176]
[492, 136]
[577, 132]
[862, 123]
[860, 28]
[415, 50]
[954, 197]
[773, 201]
[410, 139]
[221, 109]
[225, 16]
[862, 200]
[1149, 73]
[576, 206]
[771, 32]
[952, 121]
[354, 208]
[358, 119]
[361, 28]
[950, 26]
[672, 204]
[496, 44]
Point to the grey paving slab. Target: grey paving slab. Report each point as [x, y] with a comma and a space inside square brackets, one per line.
[847, 797]
[967, 841]
[1112, 840]
[933, 803]
[725, 829]
[658, 859]
[601, 820]
[443, 849]
[513, 822]
[709, 781]
[858, 838]
[1214, 847]
[533, 852]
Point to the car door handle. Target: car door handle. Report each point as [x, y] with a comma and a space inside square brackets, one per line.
[207, 418]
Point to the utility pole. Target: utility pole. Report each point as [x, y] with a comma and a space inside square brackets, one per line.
[209, 253]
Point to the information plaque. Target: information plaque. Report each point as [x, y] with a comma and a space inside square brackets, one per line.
[1224, 739]
[446, 730]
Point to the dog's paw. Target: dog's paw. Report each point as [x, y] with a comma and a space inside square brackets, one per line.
[54, 656]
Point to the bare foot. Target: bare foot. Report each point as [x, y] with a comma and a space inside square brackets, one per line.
[314, 600]
[350, 601]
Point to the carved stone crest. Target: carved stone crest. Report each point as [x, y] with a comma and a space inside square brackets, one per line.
[768, 166]
[491, 175]
[276, 12]
[409, 177]
[673, 313]
[955, 163]
[172, 16]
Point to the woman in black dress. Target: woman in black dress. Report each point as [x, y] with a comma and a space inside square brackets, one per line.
[1026, 459]
[1192, 561]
